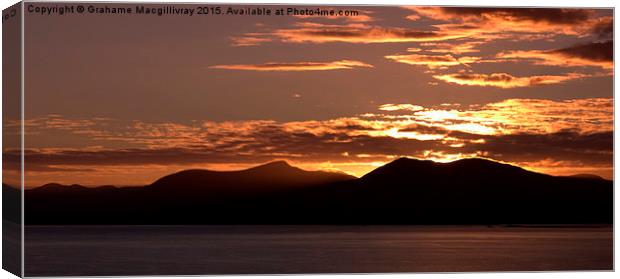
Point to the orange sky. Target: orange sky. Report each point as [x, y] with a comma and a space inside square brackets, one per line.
[152, 95]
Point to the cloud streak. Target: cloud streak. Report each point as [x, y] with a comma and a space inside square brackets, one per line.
[513, 20]
[546, 15]
[396, 107]
[595, 54]
[296, 66]
[433, 61]
[358, 33]
[504, 80]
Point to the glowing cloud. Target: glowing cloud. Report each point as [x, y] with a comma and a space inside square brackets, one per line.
[307, 32]
[250, 39]
[585, 55]
[296, 66]
[576, 132]
[547, 15]
[455, 48]
[395, 107]
[521, 20]
[432, 61]
[504, 80]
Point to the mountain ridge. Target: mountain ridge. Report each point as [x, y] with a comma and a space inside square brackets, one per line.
[284, 163]
[404, 191]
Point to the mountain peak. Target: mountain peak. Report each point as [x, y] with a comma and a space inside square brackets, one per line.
[407, 160]
[275, 166]
[414, 168]
[470, 162]
[263, 178]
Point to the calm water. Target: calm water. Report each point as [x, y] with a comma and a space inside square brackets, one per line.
[150, 250]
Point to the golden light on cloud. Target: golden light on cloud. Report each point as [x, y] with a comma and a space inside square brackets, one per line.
[454, 48]
[353, 144]
[588, 55]
[394, 107]
[504, 80]
[506, 20]
[515, 116]
[432, 61]
[399, 134]
[296, 66]
[545, 116]
[360, 33]
[250, 39]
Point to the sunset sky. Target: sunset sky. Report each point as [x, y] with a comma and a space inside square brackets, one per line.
[126, 99]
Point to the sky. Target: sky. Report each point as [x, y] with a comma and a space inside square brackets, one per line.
[126, 99]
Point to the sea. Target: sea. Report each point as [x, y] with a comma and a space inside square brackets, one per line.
[203, 250]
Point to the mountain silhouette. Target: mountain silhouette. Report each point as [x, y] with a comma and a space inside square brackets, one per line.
[587, 175]
[406, 168]
[484, 191]
[404, 191]
[266, 178]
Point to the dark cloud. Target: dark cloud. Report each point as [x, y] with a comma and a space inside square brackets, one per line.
[604, 29]
[555, 16]
[396, 33]
[596, 51]
[595, 149]
[424, 129]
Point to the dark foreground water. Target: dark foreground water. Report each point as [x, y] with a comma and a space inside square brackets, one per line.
[176, 250]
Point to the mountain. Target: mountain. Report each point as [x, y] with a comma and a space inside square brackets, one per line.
[405, 191]
[263, 179]
[587, 176]
[181, 197]
[484, 191]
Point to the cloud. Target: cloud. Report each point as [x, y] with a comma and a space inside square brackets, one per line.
[481, 25]
[588, 149]
[567, 146]
[518, 24]
[520, 131]
[542, 15]
[520, 20]
[595, 51]
[504, 80]
[594, 54]
[604, 28]
[395, 107]
[296, 66]
[532, 116]
[309, 32]
[207, 140]
[453, 48]
[433, 61]
[354, 24]
[250, 39]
